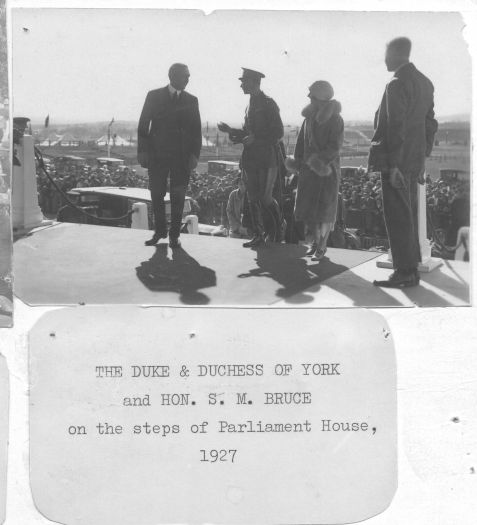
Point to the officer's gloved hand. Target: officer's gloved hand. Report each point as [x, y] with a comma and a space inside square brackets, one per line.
[225, 128]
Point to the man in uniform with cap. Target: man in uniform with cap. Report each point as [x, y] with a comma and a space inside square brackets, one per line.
[260, 136]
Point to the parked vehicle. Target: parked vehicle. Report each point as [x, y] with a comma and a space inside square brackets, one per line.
[217, 167]
[108, 202]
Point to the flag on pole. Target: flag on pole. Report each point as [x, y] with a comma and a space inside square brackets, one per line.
[109, 129]
[47, 120]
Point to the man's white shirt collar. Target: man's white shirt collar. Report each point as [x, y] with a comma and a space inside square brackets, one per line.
[173, 90]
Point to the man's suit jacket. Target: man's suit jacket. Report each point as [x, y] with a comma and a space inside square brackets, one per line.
[404, 124]
[165, 125]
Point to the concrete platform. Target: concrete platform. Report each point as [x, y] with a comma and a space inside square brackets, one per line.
[68, 264]
[447, 285]
[6, 295]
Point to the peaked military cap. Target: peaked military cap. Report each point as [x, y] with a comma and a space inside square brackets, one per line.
[250, 73]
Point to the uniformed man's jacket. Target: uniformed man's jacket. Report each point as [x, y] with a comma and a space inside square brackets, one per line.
[262, 119]
[170, 128]
[404, 123]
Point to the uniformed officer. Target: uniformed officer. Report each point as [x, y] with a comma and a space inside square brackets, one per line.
[260, 136]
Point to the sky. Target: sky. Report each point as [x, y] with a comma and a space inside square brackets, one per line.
[84, 65]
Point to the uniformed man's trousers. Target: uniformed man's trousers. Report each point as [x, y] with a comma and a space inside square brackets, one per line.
[259, 183]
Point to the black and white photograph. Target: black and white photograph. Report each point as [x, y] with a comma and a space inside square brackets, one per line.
[6, 293]
[237, 243]
[290, 167]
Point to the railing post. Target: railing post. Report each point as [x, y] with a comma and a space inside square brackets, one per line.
[192, 222]
[428, 263]
[139, 219]
[26, 212]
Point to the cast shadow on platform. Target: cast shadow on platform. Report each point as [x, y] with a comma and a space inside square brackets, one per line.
[181, 274]
[360, 291]
[293, 272]
[457, 288]
[364, 294]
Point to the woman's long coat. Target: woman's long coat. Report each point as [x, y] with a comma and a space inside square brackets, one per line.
[317, 154]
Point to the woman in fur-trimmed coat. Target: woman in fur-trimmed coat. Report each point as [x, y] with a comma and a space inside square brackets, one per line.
[317, 161]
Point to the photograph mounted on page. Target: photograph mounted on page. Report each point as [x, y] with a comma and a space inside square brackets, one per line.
[270, 181]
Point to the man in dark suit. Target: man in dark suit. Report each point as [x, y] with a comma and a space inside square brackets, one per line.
[169, 143]
[404, 136]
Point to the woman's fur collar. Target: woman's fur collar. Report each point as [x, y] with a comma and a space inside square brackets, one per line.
[332, 107]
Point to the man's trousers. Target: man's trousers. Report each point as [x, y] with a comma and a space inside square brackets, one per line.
[400, 215]
[159, 171]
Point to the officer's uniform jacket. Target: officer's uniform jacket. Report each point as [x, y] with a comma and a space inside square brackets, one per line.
[263, 121]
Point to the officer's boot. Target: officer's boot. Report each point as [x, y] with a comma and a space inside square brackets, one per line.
[257, 225]
[279, 223]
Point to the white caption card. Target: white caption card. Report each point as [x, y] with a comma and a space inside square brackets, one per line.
[4, 395]
[146, 416]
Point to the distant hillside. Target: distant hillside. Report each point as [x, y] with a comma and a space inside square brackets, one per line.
[456, 118]
[450, 132]
[356, 135]
[453, 131]
[453, 135]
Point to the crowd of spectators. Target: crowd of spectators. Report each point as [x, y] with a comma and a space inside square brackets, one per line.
[362, 200]
[69, 175]
[210, 194]
[361, 196]
[448, 204]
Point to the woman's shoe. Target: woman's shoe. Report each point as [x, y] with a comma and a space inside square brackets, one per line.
[311, 250]
[318, 255]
